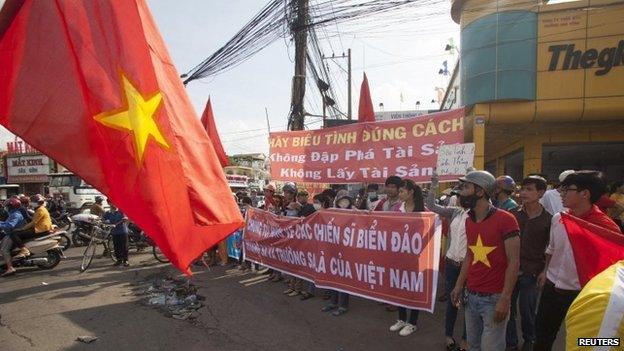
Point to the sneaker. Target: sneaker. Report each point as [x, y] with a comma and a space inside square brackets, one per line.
[329, 308]
[339, 312]
[286, 292]
[407, 329]
[397, 326]
[293, 293]
[118, 263]
[126, 264]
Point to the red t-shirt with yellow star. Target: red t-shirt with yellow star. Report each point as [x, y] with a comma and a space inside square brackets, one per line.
[486, 250]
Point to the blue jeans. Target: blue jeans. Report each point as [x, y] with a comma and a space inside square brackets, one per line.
[526, 291]
[451, 273]
[483, 333]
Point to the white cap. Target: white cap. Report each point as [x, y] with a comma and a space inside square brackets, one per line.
[565, 174]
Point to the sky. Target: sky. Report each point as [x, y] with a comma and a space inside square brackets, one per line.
[399, 58]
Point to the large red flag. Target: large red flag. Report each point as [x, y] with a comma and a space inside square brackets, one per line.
[365, 110]
[594, 248]
[211, 128]
[91, 84]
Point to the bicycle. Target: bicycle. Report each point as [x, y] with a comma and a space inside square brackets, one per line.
[100, 235]
[158, 255]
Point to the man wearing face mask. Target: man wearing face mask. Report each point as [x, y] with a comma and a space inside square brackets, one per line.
[490, 268]
[372, 198]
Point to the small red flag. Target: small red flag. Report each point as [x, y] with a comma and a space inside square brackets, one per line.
[91, 84]
[365, 110]
[211, 128]
[595, 248]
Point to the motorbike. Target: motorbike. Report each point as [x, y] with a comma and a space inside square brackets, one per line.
[45, 253]
[81, 228]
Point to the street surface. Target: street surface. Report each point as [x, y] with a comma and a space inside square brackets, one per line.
[48, 310]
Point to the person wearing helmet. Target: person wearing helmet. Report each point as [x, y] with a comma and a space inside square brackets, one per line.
[15, 220]
[97, 208]
[490, 268]
[552, 198]
[291, 206]
[25, 205]
[39, 225]
[505, 186]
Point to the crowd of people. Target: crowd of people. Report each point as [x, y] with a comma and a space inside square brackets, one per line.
[506, 254]
[505, 257]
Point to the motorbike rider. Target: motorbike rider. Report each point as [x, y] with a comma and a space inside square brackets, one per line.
[97, 208]
[40, 225]
[25, 208]
[15, 220]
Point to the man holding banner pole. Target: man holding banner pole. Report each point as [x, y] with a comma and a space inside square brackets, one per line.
[490, 269]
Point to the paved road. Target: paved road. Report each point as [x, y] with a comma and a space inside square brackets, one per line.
[47, 310]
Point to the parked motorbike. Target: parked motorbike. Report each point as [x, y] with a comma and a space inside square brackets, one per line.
[45, 253]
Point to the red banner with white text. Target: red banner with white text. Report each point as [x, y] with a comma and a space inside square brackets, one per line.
[384, 256]
[366, 152]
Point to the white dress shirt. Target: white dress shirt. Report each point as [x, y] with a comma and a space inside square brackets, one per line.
[562, 267]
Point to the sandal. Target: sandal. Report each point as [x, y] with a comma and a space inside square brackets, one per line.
[8, 273]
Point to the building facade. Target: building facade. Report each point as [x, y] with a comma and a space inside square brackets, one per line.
[27, 167]
[543, 85]
[253, 166]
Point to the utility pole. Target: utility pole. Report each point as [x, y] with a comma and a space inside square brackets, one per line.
[349, 92]
[300, 32]
[266, 112]
[349, 113]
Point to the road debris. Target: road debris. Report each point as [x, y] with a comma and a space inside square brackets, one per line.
[86, 339]
[176, 298]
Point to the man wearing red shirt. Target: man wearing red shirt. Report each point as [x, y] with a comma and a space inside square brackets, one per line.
[580, 192]
[490, 268]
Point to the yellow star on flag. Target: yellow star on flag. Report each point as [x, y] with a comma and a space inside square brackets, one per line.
[137, 118]
[480, 252]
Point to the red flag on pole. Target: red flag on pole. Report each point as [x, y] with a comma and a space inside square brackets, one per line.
[91, 84]
[365, 110]
[595, 248]
[211, 128]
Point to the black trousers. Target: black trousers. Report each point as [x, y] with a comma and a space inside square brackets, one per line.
[19, 236]
[339, 299]
[553, 306]
[121, 247]
[413, 315]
